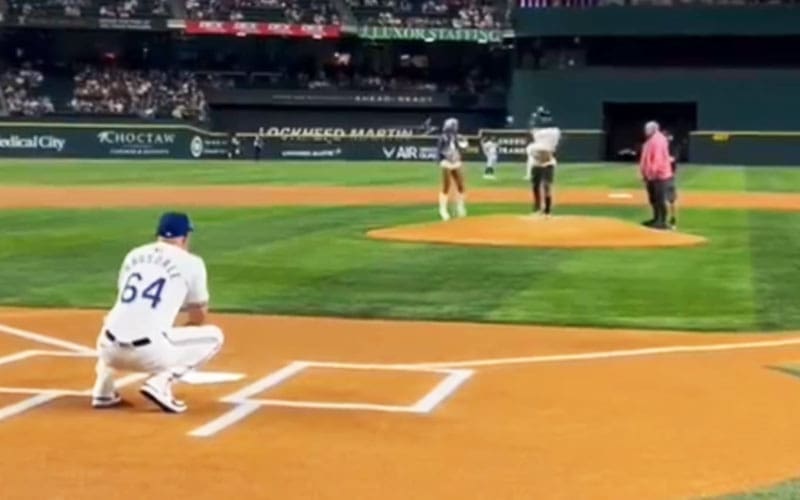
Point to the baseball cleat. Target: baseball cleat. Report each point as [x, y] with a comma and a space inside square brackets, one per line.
[444, 214]
[102, 402]
[162, 397]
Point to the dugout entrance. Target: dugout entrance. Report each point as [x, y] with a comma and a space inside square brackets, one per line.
[623, 123]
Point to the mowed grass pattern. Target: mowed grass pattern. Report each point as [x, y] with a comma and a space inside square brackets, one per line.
[179, 173]
[317, 261]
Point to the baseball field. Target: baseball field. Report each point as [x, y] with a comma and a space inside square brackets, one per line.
[401, 369]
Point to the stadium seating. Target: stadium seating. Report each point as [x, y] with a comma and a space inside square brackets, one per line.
[482, 14]
[20, 89]
[123, 9]
[278, 11]
[151, 94]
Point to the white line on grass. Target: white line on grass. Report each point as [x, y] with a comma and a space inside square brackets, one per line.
[45, 339]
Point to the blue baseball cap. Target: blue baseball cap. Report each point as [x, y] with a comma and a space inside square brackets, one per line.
[174, 225]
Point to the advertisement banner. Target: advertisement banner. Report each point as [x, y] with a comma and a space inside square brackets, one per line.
[328, 98]
[70, 140]
[89, 23]
[576, 144]
[336, 133]
[127, 24]
[432, 34]
[22, 139]
[403, 149]
[232, 28]
[52, 22]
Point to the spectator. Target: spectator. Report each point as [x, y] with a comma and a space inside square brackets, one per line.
[146, 94]
[123, 9]
[20, 88]
[455, 14]
[286, 11]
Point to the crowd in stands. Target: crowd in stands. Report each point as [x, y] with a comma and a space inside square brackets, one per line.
[151, 94]
[474, 81]
[283, 11]
[644, 3]
[121, 9]
[458, 14]
[20, 87]
[126, 9]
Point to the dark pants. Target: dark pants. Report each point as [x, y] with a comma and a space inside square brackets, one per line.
[257, 153]
[541, 181]
[657, 195]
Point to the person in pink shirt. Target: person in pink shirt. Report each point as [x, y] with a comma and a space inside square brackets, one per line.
[656, 170]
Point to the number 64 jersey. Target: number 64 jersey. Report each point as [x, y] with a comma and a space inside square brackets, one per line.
[155, 282]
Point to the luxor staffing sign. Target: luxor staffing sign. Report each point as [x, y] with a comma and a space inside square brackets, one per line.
[431, 34]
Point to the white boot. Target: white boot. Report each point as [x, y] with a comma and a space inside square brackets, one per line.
[104, 393]
[461, 207]
[158, 389]
[443, 213]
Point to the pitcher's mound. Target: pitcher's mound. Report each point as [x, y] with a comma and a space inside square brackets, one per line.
[527, 231]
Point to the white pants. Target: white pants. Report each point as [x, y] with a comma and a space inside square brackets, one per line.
[177, 351]
[450, 165]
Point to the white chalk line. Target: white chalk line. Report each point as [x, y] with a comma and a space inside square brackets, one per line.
[42, 396]
[45, 339]
[244, 407]
[623, 353]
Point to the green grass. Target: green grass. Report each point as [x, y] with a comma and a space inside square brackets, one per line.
[789, 490]
[316, 261]
[83, 172]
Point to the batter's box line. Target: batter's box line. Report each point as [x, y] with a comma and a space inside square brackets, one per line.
[31, 353]
[46, 339]
[246, 404]
[41, 396]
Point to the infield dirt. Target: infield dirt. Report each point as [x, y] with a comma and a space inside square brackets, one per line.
[550, 413]
[570, 232]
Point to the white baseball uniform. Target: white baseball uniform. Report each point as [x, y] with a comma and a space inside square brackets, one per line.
[544, 140]
[155, 282]
[490, 151]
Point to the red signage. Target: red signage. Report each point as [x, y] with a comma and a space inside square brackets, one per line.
[262, 29]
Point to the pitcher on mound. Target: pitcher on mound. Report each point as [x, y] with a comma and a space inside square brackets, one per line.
[542, 162]
[450, 147]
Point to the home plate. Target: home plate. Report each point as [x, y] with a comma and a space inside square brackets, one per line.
[202, 378]
[620, 196]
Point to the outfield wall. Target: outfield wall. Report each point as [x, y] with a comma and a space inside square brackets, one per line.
[20, 139]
